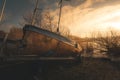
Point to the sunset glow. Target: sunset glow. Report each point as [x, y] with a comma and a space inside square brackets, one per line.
[81, 16]
[84, 19]
[99, 19]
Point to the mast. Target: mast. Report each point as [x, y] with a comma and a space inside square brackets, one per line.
[2, 12]
[60, 3]
[6, 35]
[60, 13]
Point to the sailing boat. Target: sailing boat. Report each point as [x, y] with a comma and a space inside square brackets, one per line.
[43, 43]
[58, 40]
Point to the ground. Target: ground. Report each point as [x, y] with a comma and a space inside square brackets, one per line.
[87, 69]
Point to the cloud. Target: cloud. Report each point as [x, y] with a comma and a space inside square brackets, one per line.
[86, 16]
[80, 16]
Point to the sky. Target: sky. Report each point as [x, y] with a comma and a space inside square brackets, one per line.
[81, 16]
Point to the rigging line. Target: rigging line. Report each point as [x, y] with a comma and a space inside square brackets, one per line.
[3, 8]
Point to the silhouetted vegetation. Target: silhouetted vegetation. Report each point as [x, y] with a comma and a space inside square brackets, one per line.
[15, 33]
[110, 44]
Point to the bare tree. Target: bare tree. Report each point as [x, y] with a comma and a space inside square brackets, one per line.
[110, 44]
[43, 20]
[46, 21]
[15, 33]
